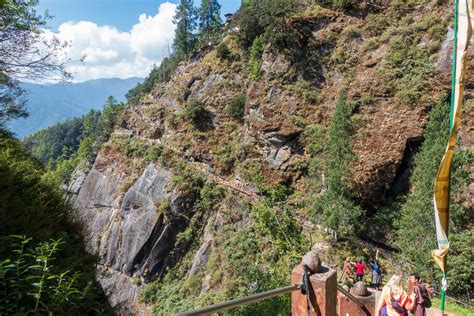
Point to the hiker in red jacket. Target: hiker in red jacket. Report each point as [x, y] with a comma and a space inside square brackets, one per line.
[360, 267]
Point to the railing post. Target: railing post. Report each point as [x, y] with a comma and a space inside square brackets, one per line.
[365, 298]
[322, 289]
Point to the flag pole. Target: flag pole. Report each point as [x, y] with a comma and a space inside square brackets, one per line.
[451, 114]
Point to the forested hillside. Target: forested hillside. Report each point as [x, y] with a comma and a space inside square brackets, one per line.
[54, 103]
[64, 146]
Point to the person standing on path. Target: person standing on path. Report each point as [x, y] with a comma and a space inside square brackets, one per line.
[422, 297]
[346, 270]
[376, 272]
[360, 267]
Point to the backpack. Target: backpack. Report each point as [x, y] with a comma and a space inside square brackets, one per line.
[425, 292]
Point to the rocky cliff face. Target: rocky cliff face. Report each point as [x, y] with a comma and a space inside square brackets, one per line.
[140, 197]
[131, 236]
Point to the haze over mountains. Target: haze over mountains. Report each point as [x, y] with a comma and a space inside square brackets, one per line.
[50, 104]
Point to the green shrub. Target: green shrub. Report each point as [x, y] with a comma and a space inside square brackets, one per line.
[351, 31]
[223, 52]
[187, 179]
[371, 44]
[154, 153]
[256, 52]
[31, 283]
[312, 97]
[366, 100]
[173, 120]
[406, 64]
[136, 149]
[376, 24]
[225, 157]
[408, 94]
[345, 59]
[236, 107]
[131, 146]
[195, 111]
[184, 95]
[343, 4]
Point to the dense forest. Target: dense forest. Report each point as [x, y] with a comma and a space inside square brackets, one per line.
[64, 146]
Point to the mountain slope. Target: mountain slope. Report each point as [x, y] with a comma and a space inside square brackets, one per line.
[204, 189]
[50, 104]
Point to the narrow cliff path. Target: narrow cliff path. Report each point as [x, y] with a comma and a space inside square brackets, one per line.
[240, 188]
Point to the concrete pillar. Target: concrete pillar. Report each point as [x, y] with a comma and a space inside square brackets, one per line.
[322, 294]
[347, 307]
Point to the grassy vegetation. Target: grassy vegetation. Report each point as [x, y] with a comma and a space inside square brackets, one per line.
[236, 107]
[407, 64]
[452, 307]
[246, 258]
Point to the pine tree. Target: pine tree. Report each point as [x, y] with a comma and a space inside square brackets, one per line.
[209, 19]
[340, 213]
[185, 20]
[339, 149]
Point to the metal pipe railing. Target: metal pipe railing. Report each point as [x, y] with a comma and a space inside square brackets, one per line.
[353, 298]
[220, 307]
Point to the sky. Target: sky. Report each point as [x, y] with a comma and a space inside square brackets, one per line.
[119, 38]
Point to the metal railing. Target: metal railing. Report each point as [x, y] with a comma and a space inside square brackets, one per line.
[353, 298]
[304, 287]
[464, 304]
[220, 307]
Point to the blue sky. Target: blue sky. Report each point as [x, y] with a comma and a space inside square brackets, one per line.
[121, 14]
[114, 38]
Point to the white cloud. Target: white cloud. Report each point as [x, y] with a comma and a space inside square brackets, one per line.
[111, 53]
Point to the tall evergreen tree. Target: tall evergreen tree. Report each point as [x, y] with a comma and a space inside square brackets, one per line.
[185, 20]
[340, 213]
[209, 19]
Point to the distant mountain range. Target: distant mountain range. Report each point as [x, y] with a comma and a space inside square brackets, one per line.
[51, 104]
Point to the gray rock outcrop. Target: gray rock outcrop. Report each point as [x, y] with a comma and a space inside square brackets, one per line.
[128, 231]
